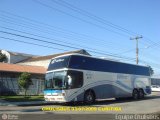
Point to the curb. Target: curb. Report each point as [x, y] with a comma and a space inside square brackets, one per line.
[31, 103]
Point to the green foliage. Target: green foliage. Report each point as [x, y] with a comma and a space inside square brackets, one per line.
[22, 98]
[151, 70]
[24, 81]
[3, 57]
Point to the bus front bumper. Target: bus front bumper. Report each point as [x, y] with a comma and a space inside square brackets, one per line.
[58, 99]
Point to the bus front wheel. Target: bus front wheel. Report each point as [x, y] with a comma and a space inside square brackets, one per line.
[135, 94]
[89, 97]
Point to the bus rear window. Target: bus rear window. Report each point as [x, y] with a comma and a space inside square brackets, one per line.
[58, 63]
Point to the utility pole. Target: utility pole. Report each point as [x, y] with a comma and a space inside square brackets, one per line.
[137, 50]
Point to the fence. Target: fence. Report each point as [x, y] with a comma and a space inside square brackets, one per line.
[9, 86]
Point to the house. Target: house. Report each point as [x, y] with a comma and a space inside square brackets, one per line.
[45, 60]
[9, 74]
[14, 57]
[18, 63]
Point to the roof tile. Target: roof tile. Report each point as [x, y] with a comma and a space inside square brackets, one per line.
[22, 68]
[52, 56]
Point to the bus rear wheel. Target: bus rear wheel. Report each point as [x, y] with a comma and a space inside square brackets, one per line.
[89, 97]
[135, 94]
[141, 94]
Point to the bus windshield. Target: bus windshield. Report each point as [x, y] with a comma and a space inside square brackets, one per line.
[55, 80]
[59, 80]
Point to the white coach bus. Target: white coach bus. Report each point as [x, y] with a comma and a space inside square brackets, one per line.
[76, 77]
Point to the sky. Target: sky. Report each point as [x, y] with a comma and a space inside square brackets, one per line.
[102, 27]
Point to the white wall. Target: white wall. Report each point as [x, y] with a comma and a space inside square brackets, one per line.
[14, 58]
[43, 63]
[7, 55]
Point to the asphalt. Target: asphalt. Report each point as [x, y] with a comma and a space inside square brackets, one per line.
[33, 110]
[30, 103]
[39, 103]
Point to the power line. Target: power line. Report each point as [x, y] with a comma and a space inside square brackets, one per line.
[92, 16]
[31, 43]
[40, 40]
[35, 39]
[46, 37]
[15, 40]
[126, 51]
[122, 58]
[150, 57]
[96, 18]
[83, 20]
[150, 63]
[52, 29]
[147, 40]
[63, 49]
[49, 38]
[153, 45]
[40, 23]
[81, 11]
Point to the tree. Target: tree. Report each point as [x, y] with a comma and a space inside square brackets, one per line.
[24, 81]
[151, 70]
[3, 57]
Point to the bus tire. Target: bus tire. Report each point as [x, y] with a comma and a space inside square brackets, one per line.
[141, 94]
[89, 97]
[135, 94]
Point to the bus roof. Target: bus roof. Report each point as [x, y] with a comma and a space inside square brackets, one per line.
[84, 62]
[97, 58]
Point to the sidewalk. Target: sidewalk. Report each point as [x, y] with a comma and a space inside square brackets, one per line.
[30, 103]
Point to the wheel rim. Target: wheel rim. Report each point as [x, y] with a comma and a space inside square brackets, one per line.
[135, 94]
[141, 94]
[89, 98]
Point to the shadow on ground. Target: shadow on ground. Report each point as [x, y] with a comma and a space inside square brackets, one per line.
[103, 102]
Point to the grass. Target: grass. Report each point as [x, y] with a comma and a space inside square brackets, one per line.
[22, 98]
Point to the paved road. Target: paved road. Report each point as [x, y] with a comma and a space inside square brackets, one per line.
[149, 105]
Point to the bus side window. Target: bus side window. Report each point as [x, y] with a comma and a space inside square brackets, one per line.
[75, 79]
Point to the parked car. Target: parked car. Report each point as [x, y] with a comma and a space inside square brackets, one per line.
[155, 88]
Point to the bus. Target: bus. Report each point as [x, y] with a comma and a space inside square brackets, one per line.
[77, 77]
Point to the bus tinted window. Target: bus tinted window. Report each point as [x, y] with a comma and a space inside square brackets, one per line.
[75, 79]
[88, 63]
[57, 63]
[48, 80]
